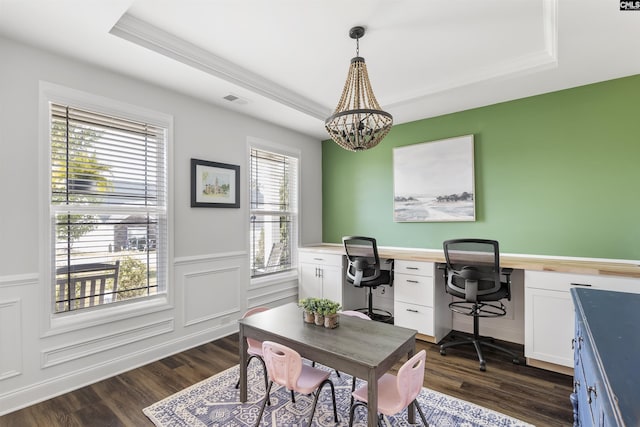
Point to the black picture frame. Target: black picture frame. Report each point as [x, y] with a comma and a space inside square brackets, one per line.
[214, 184]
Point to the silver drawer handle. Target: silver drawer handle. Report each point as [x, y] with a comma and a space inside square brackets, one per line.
[591, 389]
[412, 310]
[412, 268]
[412, 281]
[581, 284]
[318, 259]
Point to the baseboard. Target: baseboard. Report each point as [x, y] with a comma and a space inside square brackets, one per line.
[566, 370]
[427, 338]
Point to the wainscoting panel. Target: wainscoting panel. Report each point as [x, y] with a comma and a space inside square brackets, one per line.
[213, 287]
[68, 353]
[210, 294]
[10, 338]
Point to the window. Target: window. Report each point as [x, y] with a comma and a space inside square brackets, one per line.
[108, 208]
[274, 211]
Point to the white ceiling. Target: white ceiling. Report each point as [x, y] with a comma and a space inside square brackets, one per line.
[287, 60]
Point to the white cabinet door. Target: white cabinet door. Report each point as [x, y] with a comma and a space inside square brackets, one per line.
[309, 281]
[549, 319]
[332, 282]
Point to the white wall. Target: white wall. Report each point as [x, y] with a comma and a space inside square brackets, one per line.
[209, 275]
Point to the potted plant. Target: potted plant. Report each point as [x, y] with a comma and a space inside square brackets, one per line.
[319, 311]
[308, 306]
[330, 312]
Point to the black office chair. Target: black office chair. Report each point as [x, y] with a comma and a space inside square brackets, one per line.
[473, 273]
[363, 270]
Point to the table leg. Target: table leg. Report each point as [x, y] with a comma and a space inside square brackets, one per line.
[372, 397]
[243, 346]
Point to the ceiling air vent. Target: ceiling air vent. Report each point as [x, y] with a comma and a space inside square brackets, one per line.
[235, 99]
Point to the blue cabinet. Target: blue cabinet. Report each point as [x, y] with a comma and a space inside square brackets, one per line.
[606, 358]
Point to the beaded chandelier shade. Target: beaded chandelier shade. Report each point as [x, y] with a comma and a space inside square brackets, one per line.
[358, 123]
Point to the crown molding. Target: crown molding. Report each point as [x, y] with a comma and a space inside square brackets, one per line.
[153, 38]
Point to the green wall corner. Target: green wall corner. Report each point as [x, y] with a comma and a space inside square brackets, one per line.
[555, 174]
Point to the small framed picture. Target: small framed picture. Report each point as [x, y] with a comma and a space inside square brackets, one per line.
[214, 185]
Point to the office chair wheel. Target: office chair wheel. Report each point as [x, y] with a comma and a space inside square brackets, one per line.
[443, 352]
[516, 361]
[483, 366]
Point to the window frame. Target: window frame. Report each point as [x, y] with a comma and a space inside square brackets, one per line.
[264, 145]
[54, 323]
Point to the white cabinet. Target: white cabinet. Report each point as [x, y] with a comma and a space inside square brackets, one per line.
[320, 275]
[417, 305]
[549, 312]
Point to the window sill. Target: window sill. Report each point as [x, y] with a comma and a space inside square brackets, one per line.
[271, 279]
[67, 322]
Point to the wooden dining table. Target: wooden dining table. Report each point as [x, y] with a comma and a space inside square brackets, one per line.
[362, 348]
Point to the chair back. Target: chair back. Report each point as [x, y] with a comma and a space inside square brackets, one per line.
[411, 377]
[254, 344]
[473, 267]
[363, 260]
[354, 313]
[284, 364]
[85, 285]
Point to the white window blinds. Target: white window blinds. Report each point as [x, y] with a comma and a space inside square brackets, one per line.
[274, 211]
[108, 208]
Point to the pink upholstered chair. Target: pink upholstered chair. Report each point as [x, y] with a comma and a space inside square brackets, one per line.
[396, 392]
[285, 367]
[255, 346]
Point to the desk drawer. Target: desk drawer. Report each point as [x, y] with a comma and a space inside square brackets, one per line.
[414, 316]
[413, 289]
[320, 258]
[565, 281]
[413, 267]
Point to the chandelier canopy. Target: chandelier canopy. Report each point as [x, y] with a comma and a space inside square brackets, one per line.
[358, 123]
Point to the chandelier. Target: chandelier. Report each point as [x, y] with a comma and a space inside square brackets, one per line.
[358, 123]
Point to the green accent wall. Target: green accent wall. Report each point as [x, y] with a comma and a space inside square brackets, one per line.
[555, 174]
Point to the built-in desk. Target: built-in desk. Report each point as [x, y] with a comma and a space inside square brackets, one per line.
[546, 301]
[523, 262]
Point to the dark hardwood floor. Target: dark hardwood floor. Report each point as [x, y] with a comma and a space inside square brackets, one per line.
[533, 395]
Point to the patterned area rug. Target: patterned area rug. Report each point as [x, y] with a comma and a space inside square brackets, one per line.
[215, 402]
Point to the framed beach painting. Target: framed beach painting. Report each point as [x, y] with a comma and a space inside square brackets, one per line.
[214, 185]
[434, 181]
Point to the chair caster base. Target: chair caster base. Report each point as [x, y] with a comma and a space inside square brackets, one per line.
[479, 341]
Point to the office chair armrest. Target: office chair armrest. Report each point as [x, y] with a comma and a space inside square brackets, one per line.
[507, 274]
[442, 266]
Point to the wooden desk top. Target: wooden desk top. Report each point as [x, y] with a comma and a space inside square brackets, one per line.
[574, 265]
